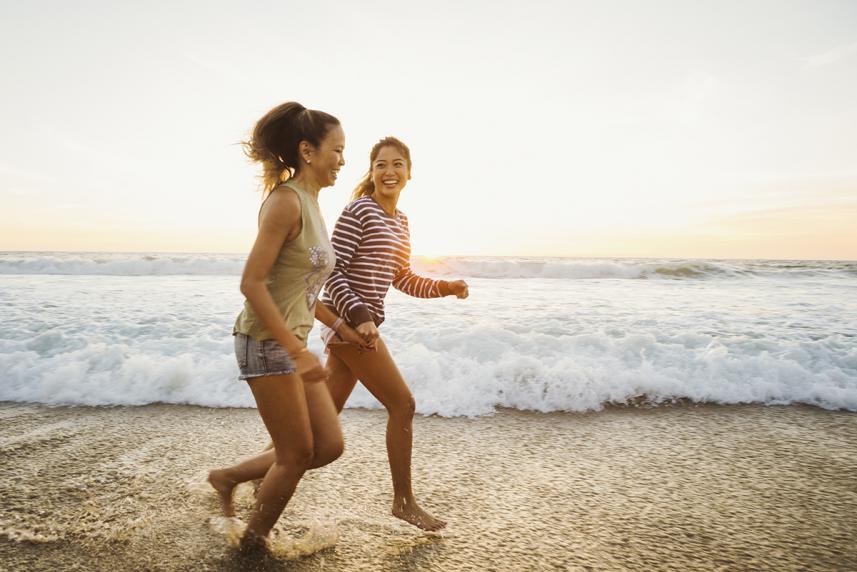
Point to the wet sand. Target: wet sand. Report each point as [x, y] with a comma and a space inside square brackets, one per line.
[670, 488]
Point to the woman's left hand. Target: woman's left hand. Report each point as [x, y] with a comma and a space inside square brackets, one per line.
[459, 288]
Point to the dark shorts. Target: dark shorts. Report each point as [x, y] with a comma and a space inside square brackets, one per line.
[258, 359]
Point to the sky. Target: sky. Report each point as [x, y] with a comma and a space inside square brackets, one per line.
[672, 129]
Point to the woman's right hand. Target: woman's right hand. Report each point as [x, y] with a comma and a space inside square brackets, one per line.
[369, 332]
[348, 334]
[309, 368]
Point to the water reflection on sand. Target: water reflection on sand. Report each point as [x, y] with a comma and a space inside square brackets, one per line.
[671, 488]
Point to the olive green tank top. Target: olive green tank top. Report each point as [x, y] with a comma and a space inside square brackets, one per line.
[295, 279]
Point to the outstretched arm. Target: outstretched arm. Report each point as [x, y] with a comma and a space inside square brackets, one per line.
[420, 286]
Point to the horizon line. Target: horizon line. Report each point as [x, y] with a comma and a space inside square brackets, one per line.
[188, 252]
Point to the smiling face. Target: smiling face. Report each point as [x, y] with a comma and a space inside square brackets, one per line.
[327, 158]
[390, 172]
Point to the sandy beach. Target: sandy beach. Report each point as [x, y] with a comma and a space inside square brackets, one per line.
[669, 488]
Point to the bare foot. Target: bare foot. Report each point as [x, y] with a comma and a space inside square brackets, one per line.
[224, 487]
[410, 512]
[253, 545]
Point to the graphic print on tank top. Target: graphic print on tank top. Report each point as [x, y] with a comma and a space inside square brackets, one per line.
[322, 264]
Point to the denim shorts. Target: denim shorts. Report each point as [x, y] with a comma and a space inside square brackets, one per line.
[261, 358]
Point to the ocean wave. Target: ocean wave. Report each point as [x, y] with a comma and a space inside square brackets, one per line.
[469, 372]
[121, 264]
[154, 264]
[630, 269]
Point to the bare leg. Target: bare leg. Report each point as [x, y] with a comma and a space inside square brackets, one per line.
[282, 404]
[340, 385]
[327, 440]
[327, 447]
[378, 372]
[341, 381]
[225, 480]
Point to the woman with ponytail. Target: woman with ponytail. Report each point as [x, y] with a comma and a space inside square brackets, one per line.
[372, 244]
[300, 151]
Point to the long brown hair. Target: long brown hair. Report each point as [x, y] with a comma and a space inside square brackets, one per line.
[275, 139]
[366, 186]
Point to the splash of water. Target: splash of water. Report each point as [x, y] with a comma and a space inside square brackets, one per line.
[317, 538]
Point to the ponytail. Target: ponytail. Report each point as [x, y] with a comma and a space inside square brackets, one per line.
[365, 187]
[277, 135]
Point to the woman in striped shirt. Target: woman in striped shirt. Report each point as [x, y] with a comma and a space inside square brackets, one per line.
[372, 244]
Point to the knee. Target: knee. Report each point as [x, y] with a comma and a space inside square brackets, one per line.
[403, 409]
[297, 458]
[328, 452]
[336, 449]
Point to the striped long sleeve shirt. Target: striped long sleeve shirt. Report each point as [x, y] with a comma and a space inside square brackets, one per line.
[373, 250]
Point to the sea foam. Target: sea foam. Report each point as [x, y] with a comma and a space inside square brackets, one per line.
[541, 344]
[458, 372]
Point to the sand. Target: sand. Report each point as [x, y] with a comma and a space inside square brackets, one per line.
[668, 488]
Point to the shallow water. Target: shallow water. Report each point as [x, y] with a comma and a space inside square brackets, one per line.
[668, 488]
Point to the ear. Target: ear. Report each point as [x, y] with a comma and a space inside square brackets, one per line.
[305, 151]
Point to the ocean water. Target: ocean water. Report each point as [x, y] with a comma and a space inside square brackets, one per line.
[542, 334]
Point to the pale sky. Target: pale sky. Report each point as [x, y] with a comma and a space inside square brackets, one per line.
[721, 129]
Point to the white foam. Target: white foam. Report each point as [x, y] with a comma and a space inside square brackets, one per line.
[318, 537]
[17, 533]
[538, 344]
[121, 264]
[470, 372]
[230, 527]
[584, 372]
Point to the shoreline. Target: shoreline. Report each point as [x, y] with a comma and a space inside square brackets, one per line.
[686, 487]
[638, 403]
